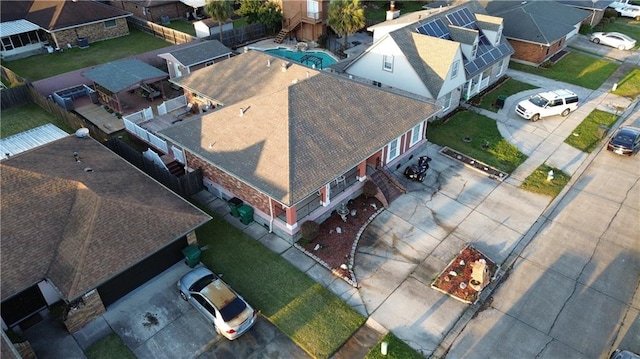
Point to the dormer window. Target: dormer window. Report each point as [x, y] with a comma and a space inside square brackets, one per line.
[387, 63]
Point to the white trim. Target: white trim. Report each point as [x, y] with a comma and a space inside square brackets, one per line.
[413, 140]
[397, 152]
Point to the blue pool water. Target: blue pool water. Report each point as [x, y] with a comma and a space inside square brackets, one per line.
[297, 56]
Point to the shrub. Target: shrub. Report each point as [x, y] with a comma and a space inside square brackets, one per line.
[585, 29]
[309, 230]
[369, 189]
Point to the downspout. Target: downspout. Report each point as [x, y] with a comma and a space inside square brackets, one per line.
[270, 215]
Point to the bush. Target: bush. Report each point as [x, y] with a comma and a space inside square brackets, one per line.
[309, 230]
[369, 189]
[585, 29]
[605, 21]
[609, 12]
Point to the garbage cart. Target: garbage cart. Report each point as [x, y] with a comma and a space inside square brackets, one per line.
[234, 204]
[246, 214]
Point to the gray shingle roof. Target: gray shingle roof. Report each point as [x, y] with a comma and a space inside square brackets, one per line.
[541, 22]
[123, 74]
[200, 53]
[80, 228]
[295, 135]
[587, 4]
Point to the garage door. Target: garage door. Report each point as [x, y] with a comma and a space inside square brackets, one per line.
[132, 278]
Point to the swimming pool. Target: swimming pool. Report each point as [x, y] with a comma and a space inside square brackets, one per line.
[320, 59]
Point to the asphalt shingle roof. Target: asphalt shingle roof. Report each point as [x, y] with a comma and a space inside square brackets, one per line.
[123, 74]
[541, 22]
[201, 52]
[299, 131]
[79, 228]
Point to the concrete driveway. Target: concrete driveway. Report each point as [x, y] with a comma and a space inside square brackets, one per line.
[582, 43]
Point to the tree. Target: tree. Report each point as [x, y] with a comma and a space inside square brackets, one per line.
[264, 12]
[345, 18]
[219, 10]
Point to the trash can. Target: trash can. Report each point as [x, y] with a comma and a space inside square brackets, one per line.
[234, 204]
[246, 214]
[191, 255]
[602, 131]
[500, 101]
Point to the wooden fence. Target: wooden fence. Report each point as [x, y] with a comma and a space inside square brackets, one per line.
[14, 96]
[166, 33]
[186, 185]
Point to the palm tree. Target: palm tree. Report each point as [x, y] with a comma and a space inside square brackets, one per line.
[346, 17]
[219, 10]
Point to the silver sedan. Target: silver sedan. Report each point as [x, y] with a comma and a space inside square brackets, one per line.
[613, 39]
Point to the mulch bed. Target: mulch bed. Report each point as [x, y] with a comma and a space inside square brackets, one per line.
[337, 249]
[457, 285]
[473, 164]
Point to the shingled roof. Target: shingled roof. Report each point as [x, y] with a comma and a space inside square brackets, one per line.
[59, 14]
[300, 128]
[199, 53]
[79, 224]
[124, 74]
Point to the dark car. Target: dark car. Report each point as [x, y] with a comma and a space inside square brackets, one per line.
[623, 354]
[625, 142]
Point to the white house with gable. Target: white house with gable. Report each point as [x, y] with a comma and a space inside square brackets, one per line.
[447, 55]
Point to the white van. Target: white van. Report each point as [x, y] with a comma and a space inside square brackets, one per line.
[545, 104]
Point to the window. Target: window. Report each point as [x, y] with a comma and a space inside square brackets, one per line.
[393, 149]
[204, 303]
[454, 69]
[416, 133]
[499, 68]
[387, 62]
[110, 23]
[474, 50]
[446, 102]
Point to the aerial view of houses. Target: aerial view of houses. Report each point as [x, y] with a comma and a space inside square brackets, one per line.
[320, 179]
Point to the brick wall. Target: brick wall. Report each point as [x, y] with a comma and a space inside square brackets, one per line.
[173, 10]
[534, 53]
[249, 195]
[94, 32]
[92, 308]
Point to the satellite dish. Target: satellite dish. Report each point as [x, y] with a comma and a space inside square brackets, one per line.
[82, 132]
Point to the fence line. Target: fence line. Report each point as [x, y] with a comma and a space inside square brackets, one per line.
[14, 96]
[166, 33]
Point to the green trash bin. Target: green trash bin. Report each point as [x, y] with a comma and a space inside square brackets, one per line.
[234, 204]
[246, 214]
[500, 101]
[191, 255]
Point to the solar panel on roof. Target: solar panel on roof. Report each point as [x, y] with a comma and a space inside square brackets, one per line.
[435, 28]
[462, 18]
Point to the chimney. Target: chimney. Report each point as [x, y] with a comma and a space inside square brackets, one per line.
[392, 13]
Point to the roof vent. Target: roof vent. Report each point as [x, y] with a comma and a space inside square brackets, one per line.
[294, 81]
[241, 111]
[283, 67]
[268, 62]
[88, 169]
[76, 156]
[82, 132]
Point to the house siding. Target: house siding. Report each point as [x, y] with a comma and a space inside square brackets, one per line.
[535, 53]
[81, 316]
[306, 31]
[94, 32]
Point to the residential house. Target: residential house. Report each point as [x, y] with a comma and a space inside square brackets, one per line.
[595, 8]
[304, 20]
[445, 54]
[27, 26]
[537, 30]
[82, 226]
[159, 10]
[186, 60]
[290, 141]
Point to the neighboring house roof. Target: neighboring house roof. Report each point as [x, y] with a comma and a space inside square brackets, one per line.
[198, 53]
[79, 228]
[24, 141]
[540, 22]
[55, 15]
[300, 129]
[587, 4]
[124, 74]
[152, 3]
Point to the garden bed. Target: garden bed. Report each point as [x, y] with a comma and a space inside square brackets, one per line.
[474, 164]
[454, 280]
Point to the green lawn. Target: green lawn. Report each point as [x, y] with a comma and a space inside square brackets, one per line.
[396, 349]
[629, 86]
[575, 68]
[500, 154]
[182, 26]
[26, 117]
[586, 137]
[42, 66]
[376, 11]
[308, 313]
[537, 181]
[109, 347]
[507, 88]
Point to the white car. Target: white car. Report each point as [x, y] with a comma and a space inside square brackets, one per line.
[552, 103]
[613, 39]
[631, 11]
[227, 310]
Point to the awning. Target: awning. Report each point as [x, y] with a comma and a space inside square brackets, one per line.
[194, 3]
[17, 27]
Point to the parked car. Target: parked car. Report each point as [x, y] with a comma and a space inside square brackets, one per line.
[625, 142]
[631, 11]
[613, 39]
[623, 354]
[545, 104]
[231, 315]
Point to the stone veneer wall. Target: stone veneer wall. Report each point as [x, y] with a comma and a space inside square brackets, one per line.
[81, 316]
[94, 32]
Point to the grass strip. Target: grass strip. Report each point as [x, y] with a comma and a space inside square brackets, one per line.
[396, 349]
[109, 347]
[587, 135]
[539, 182]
